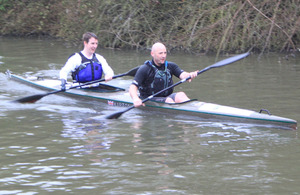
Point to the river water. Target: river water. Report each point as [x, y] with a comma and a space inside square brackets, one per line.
[63, 145]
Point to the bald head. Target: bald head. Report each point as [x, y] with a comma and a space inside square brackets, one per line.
[157, 46]
[159, 53]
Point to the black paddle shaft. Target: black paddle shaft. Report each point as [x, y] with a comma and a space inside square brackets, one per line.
[216, 65]
[34, 98]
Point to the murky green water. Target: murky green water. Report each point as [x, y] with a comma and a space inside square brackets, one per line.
[63, 145]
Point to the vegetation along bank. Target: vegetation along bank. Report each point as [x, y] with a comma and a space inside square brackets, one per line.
[197, 26]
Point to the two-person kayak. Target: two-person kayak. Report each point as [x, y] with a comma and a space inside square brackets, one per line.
[116, 94]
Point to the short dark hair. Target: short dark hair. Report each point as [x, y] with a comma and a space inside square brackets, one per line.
[86, 36]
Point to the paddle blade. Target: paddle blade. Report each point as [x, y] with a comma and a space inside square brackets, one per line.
[132, 72]
[30, 99]
[229, 60]
[115, 115]
[118, 114]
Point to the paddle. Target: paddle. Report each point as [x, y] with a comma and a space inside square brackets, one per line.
[216, 65]
[34, 98]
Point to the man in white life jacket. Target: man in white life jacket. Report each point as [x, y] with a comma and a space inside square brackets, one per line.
[86, 65]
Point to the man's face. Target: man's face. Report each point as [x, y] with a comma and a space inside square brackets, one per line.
[159, 55]
[91, 45]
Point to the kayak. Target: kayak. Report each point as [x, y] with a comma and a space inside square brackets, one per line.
[116, 94]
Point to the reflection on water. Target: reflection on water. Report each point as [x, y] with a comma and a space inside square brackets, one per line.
[116, 157]
[65, 145]
[236, 154]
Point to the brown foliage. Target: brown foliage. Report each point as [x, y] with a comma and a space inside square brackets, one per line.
[194, 26]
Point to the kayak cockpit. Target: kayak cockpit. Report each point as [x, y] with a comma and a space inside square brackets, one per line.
[102, 88]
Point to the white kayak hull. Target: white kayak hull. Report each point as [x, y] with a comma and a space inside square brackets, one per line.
[203, 110]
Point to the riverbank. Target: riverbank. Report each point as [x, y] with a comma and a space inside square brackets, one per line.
[196, 27]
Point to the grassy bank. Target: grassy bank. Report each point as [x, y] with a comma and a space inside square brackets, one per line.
[194, 26]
